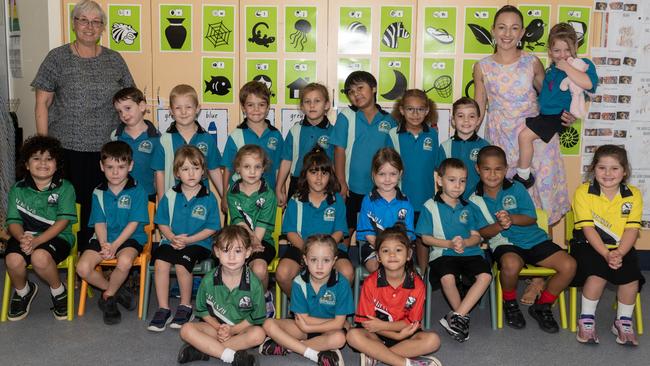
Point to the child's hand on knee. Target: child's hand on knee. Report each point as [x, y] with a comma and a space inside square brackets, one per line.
[408, 331]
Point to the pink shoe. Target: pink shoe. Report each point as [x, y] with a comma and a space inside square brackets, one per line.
[624, 331]
[587, 331]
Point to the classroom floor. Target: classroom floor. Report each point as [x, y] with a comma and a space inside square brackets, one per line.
[40, 339]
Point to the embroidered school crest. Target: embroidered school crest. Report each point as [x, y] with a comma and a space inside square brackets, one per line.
[473, 155]
[410, 301]
[328, 298]
[324, 141]
[203, 147]
[427, 144]
[509, 202]
[384, 127]
[329, 214]
[145, 146]
[463, 216]
[199, 212]
[260, 202]
[401, 214]
[626, 208]
[53, 199]
[272, 143]
[245, 302]
[124, 202]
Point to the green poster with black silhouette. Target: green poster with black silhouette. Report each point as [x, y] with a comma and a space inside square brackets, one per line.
[439, 34]
[468, 78]
[570, 139]
[217, 75]
[218, 28]
[396, 29]
[300, 29]
[438, 79]
[578, 18]
[176, 28]
[124, 28]
[261, 29]
[297, 74]
[354, 30]
[478, 24]
[265, 71]
[537, 20]
[394, 74]
[345, 67]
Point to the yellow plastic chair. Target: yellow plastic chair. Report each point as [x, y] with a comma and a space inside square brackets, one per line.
[141, 261]
[530, 270]
[573, 291]
[67, 264]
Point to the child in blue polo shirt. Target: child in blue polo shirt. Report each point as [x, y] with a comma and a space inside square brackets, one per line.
[118, 215]
[187, 216]
[509, 221]
[255, 100]
[417, 143]
[317, 208]
[185, 130]
[320, 301]
[139, 133]
[465, 143]
[455, 246]
[360, 131]
[384, 206]
[314, 130]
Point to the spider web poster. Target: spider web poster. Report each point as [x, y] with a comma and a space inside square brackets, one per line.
[218, 28]
[437, 79]
[300, 29]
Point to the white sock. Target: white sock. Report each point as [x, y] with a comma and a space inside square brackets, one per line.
[311, 354]
[624, 310]
[588, 306]
[228, 355]
[57, 291]
[23, 291]
[524, 173]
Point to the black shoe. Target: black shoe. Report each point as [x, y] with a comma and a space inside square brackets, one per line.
[125, 298]
[60, 305]
[20, 306]
[112, 314]
[526, 182]
[544, 316]
[243, 358]
[330, 358]
[451, 325]
[189, 354]
[514, 317]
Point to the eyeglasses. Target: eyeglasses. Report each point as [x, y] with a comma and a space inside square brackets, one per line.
[85, 22]
[413, 110]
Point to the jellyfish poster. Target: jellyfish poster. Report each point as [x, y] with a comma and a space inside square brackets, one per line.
[394, 74]
[175, 28]
[124, 28]
[396, 31]
[345, 67]
[578, 17]
[439, 33]
[265, 71]
[217, 79]
[478, 26]
[297, 74]
[537, 20]
[218, 28]
[355, 30]
[300, 29]
[261, 29]
[438, 79]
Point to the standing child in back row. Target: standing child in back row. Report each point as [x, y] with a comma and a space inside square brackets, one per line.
[553, 101]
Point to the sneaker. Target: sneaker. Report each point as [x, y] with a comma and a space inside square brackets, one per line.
[624, 332]
[544, 316]
[183, 315]
[463, 324]
[20, 306]
[526, 182]
[330, 358]
[125, 298]
[451, 324]
[112, 314]
[161, 318]
[514, 317]
[243, 358]
[189, 354]
[427, 360]
[270, 304]
[60, 305]
[587, 330]
[270, 348]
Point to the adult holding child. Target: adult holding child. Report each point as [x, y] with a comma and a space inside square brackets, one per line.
[74, 88]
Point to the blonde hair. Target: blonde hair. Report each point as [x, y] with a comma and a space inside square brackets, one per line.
[320, 239]
[183, 90]
[190, 153]
[88, 7]
[252, 149]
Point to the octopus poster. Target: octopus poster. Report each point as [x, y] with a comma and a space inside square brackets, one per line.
[218, 28]
[300, 29]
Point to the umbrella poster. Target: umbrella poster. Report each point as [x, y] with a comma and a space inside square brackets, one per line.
[578, 18]
[176, 28]
[394, 73]
[297, 74]
[396, 31]
[344, 68]
[438, 79]
[218, 28]
[124, 28]
[354, 30]
[300, 29]
[217, 79]
[478, 24]
[537, 20]
[261, 29]
[265, 71]
[439, 34]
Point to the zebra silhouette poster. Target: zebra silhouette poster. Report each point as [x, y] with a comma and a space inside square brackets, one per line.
[396, 29]
[124, 28]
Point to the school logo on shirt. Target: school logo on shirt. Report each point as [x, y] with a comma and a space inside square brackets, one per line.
[401, 214]
[272, 143]
[199, 212]
[328, 298]
[53, 199]
[245, 302]
[260, 202]
[384, 127]
[626, 208]
[509, 202]
[324, 141]
[329, 214]
[410, 301]
[124, 202]
[473, 155]
[463, 216]
[203, 147]
[145, 146]
[427, 145]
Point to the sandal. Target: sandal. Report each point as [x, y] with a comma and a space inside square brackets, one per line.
[533, 290]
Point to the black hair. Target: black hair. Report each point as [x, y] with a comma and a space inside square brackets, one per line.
[40, 144]
[116, 150]
[316, 158]
[491, 151]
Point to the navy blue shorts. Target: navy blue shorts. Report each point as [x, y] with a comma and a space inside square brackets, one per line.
[187, 257]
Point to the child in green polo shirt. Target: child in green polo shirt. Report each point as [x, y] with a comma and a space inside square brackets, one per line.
[231, 303]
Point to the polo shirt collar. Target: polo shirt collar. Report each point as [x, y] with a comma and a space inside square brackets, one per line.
[130, 183]
[402, 128]
[480, 190]
[374, 195]
[356, 109]
[438, 198]
[331, 282]
[28, 182]
[244, 282]
[202, 192]
[244, 125]
[236, 189]
[624, 190]
[409, 280]
[152, 131]
[474, 137]
[324, 124]
[172, 128]
[330, 198]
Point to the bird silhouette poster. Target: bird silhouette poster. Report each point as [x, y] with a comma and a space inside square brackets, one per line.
[478, 27]
[578, 17]
[355, 30]
[264, 71]
[396, 31]
[439, 33]
[124, 28]
[176, 28]
[297, 74]
[300, 29]
[345, 66]
[261, 24]
[536, 23]
[218, 79]
[219, 29]
[394, 74]
[438, 79]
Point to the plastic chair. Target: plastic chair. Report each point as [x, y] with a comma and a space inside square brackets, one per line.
[141, 261]
[529, 270]
[573, 291]
[67, 264]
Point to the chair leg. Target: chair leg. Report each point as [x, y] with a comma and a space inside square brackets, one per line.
[82, 298]
[71, 278]
[638, 314]
[493, 303]
[573, 308]
[278, 301]
[499, 292]
[285, 306]
[357, 280]
[5, 298]
[144, 264]
[562, 303]
[147, 291]
[427, 302]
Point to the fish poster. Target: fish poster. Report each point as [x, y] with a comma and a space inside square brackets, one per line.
[394, 74]
[355, 30]
[175, 28]
[438, 79]
[217, 79]
[578, 17]
[297, 74]
[261, 29]
[219, 28]
[478, 26]
[537, 24]
[300, 28]
[439, 33]
[124, 28]
[264, 71]
[345, 66]
[396, 29]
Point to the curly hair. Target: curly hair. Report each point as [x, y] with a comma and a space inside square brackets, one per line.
[40, 144]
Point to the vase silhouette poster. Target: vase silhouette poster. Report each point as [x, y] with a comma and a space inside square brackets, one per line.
[176, 28]
[124, 28]
[439, 33]
[218, 28]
